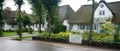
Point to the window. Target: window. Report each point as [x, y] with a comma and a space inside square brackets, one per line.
[81, 27]
[13, 26]
[87, 27]
[101, 5]
[102, 12]
[36, 25]
[95, 27]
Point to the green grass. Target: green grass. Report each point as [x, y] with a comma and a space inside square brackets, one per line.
[5, 34]
[24, 37]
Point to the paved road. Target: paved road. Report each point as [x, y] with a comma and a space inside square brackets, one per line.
[9, 45]
[6, 44]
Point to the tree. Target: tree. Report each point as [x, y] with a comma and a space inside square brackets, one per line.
[1, 17]
[92, 21]
[25, 19]
[19, 3]
[39, 10]
[49, 5]
[117, 33]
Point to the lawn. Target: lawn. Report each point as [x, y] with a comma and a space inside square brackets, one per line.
[24, 37]
[5, 34]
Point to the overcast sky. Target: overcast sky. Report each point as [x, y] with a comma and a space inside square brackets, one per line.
[75, 4]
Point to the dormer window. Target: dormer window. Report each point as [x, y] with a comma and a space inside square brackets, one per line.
[101, 5]
[102, 12]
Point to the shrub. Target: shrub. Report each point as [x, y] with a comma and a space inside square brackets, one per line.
[99, 37]
[58, 28]
[62, 35]
[18, 32]
[30, 30]
[25, 30]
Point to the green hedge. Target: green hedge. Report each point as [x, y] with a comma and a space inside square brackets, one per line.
[100, 37]
[58, 28]
[55, 36]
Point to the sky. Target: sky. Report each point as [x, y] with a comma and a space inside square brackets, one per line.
[75, 4]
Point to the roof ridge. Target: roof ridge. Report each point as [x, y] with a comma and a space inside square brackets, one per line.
[113, 2]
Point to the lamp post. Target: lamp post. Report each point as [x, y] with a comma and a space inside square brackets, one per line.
[91, 21]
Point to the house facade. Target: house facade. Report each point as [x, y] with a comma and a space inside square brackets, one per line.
[63, 12]
[9, 22]
[80, 21]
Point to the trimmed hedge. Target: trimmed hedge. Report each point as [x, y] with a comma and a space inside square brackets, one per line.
[84, 42]
[102, 44]
[51, 39]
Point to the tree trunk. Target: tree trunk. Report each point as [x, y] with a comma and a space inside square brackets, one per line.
[92, 22]
[0, 30]
[20, 26]
[20, 30]
[49, 24]
[39, 17]
[1, 19]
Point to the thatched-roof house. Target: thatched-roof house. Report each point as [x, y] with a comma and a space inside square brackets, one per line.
[65, 12]
[81, 19]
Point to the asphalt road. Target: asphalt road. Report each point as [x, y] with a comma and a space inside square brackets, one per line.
[9, 45]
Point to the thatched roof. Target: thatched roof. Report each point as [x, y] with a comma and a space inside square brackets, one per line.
[64, 12]
[83, 15]
[10, 17]
[115, 7]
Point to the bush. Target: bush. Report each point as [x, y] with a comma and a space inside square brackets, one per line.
[8, 30]
[25, 30]
[62, 35]
[99, 37]
[30, 30]
[58, 28]
[18, 32]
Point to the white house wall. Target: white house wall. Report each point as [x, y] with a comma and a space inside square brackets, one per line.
[65, 22]
[36, 27]
[108, 13]
[9, 27]
[74, 28]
